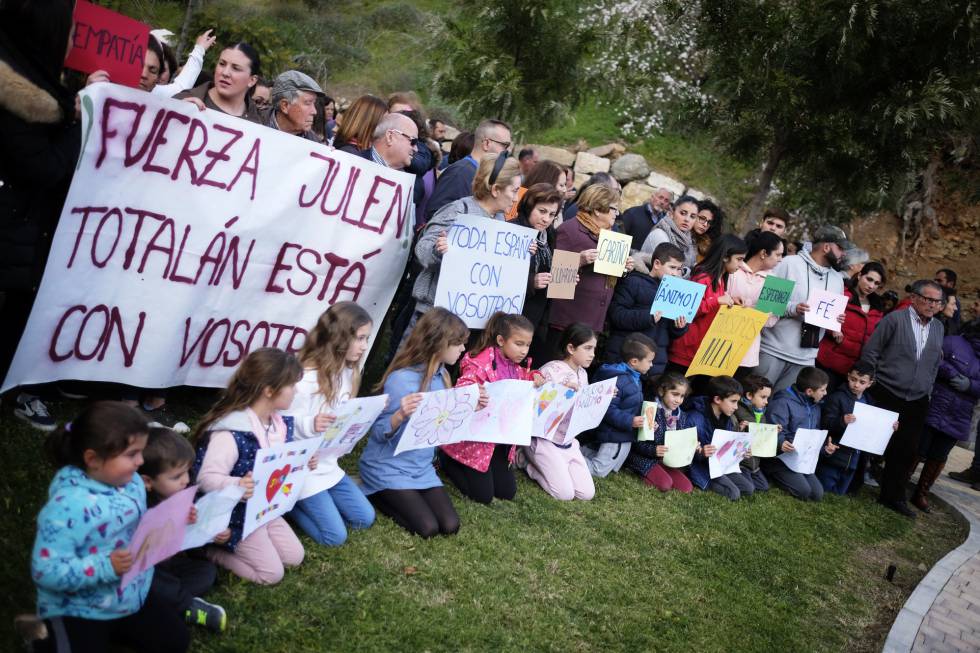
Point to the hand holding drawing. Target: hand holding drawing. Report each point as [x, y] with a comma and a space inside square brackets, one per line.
[708, 450]
[541, 280]
[572, 385]
[788, 447]
[748, 453]
[122, 561]
[192, 516]
[249, 486]
[312, 463]
[638, 421]
[222, 537]
[830, 447]
[408, 405]
[662, 450]
[323, 421]
[588, 257]
[539, 381]
[743, 425]
[484, 399]
[895, 426]
[849, 418]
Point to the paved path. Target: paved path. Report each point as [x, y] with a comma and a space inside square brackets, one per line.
[943, 613]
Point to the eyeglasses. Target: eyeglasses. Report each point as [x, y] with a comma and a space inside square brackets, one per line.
[505, 144]
[930, 300]
[614, 210]
[703, 220]
[413, 141]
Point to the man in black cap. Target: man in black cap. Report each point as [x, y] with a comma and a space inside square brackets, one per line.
[293, 109]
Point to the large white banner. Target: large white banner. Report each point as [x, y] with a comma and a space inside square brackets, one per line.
[190, 238]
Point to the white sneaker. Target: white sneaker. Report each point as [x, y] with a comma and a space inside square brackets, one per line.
[870, 481]
[33, 411]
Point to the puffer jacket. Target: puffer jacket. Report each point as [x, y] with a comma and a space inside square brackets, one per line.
[950, 411]
[630, 312]
[857, 328]
[617, 423]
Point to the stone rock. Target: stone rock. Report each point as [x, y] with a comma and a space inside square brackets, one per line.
[658, 180]
[451, 133]
[556, 154]
[634, 194]
[580, 179]
[590, 163]
[609, 150]
[695, 193]
[629, 167]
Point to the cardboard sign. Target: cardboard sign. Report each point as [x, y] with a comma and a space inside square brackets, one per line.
[354, 418]
[731, 449]
[160, 533]
[681, 446]
[676, 297]
[728, 338]
[764, 439]
[591, 405]
[213, 516]
[106, 40]
[170, 263]
[825, 307]
[807, 444]
[775, 295]
[649, 429]
[871, 429]
[614, 249]
[485, 269]
[564, 269]
[279, 473]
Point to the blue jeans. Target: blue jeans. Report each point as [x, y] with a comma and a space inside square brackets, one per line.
[323, 515]
[835, 479]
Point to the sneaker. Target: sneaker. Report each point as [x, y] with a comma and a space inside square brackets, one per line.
[33, 411]
[210, 615]
[520, 459]
[870, 481]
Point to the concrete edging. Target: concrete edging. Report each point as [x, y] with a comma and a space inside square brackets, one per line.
[901, 637]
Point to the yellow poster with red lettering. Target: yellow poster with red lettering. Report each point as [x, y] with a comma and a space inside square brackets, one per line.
[728, 338]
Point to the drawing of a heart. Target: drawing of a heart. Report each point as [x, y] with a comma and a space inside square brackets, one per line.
[546, 398]
[275, 482]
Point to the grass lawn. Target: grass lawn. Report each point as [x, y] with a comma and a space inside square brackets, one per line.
[632, 570]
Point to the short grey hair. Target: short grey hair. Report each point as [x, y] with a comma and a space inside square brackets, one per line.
[922, 284]
[289, 94]
[486, 126]
[391, 121]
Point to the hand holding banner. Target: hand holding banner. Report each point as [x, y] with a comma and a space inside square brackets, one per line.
[676, 297]
[775, 295]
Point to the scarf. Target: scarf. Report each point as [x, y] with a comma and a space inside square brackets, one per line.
[541, 261]
[679, 238]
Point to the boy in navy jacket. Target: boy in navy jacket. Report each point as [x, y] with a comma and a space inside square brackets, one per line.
[797, 407]
[617, 431]
[714, 411]
[629, 311]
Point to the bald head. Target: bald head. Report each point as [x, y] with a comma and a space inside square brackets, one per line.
[395, 139]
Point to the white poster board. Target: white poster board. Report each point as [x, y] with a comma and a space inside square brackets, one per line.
[485, 269]
[509, 415]
[825, 308]
[731, 447]
[189, 238]
[807, 444]
[871, 429]
[279, 473]
[591, 405]
[213, 516]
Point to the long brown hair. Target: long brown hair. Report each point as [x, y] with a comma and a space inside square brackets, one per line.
[359, 121]
[267, 367]
[433, 334]
[326, 347]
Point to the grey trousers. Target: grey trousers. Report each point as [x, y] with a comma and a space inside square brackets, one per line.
[733, 486]
[608, 458]
[806, 487]
[782, 373]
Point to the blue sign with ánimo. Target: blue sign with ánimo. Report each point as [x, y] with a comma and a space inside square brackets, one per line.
[676, 297]
[485, 269]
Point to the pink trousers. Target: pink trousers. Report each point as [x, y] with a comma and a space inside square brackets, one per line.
[262, 556]
[562, 473]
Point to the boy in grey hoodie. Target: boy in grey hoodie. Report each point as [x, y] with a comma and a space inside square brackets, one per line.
[789, 345]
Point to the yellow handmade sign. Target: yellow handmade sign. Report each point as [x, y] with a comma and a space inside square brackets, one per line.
[728, 338]
[614, 249]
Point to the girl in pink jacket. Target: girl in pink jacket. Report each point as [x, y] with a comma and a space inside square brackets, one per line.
[481, 470]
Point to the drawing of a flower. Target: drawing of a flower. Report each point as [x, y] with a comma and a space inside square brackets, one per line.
[446, 413]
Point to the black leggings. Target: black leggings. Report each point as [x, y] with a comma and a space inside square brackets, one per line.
[157, 627]
[498, 481]
[426, 513]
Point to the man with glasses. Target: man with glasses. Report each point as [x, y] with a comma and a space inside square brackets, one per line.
[456, 182]
[905, 350]
[395, 141]
[639, 220]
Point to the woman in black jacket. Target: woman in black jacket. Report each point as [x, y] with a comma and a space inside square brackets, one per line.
[41, 140]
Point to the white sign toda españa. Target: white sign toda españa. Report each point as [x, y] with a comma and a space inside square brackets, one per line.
[189, 238]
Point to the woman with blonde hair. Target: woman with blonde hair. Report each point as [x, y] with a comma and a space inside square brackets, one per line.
[357, 129]
[494, 189]
[598, 208]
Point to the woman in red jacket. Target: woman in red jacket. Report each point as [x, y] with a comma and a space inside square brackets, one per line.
[723, 258]
[839, 351]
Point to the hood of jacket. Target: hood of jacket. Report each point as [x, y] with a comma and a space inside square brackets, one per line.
[25, 99]
[236, 421]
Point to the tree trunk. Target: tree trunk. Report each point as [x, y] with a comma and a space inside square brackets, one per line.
[185, 27]
[776, 151]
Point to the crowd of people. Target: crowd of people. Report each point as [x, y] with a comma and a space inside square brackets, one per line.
[918, 357]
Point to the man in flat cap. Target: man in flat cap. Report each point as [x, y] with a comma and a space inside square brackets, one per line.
[293, 97]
